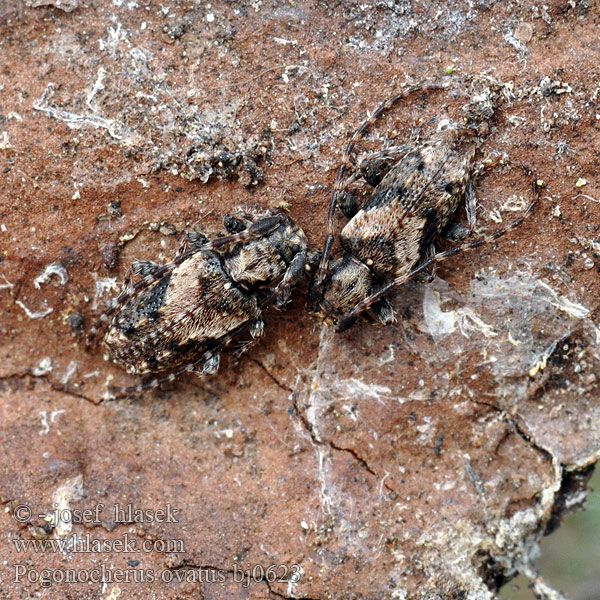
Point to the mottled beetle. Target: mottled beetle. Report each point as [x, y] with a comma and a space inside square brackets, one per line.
[178, 316]
[417, 189]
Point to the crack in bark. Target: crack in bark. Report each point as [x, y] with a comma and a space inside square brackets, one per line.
[68, 392]
[514, 423]
[188, 565]
[271, 376]
[326, 442]
[16, 376]
[531, 440]
[279, 595]
[54, 386]
[310, 429]
[488, 404]
[361, 460]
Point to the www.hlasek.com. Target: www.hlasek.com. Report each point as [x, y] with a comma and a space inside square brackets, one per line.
[102, 574]
[85, 543]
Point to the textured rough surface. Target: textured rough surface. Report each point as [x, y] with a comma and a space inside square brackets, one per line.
[421, 460]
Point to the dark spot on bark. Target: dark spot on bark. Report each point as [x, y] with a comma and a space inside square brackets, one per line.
[75, 320]
[109, 254]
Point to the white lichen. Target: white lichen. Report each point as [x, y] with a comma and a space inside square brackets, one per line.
[50, 270]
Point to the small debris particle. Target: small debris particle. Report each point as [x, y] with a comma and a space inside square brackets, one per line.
[5, 143]
[114, 208]
[109, 254]
[65, 5]
[474, 477]
[40, 314]
[69, 372]
[581, 182]
[75, 320]
[7, 285]
[52, 269]
[284, 42]
[539, 366]
[524, 32]
[167, 229]
[43, 368]
[104, 285]
[175, 31]
[512, 340]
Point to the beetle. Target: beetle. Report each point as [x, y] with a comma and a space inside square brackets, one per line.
[417, 190]
[178, 316]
